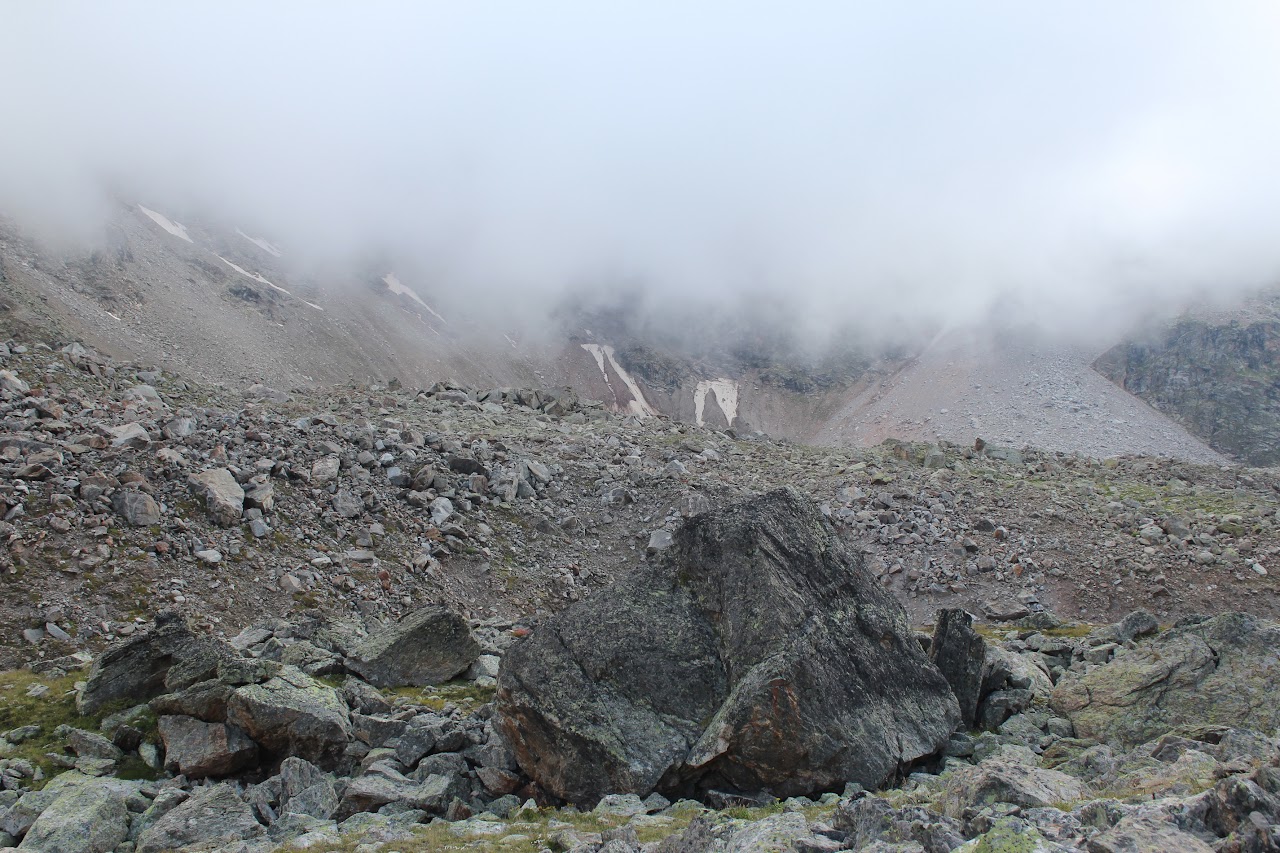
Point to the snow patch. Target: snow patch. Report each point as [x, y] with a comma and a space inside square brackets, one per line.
[167, 224]
[726, 393]
[253, 275]
[261, 244]
[399, 288]
[637, 404]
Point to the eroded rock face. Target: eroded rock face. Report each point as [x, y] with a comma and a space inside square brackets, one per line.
[427, 647]
[757, 653]
[1222, 671]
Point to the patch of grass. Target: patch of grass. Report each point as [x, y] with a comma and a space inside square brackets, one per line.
[53, 709]
[527, 832]
[1072, 630]
[466, 695]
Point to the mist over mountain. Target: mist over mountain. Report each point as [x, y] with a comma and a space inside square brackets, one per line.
[1077, 169]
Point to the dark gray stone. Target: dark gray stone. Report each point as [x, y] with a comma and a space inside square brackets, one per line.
[166, 657]
[959, 652]
[429, 646]
[758, 652]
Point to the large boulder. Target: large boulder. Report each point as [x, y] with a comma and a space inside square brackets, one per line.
[429, 646]
[1220, 671]
[213, 815]
[293, 714]
[960, 654]
[757, 652]
[87, 816]
[166, 657]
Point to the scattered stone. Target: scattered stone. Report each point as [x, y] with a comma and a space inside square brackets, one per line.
[223, 496]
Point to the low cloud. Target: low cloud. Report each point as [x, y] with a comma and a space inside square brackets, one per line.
[872, 165]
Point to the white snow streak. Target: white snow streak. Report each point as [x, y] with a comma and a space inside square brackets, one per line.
[261, 244]
[253, 275]
[637, 404]
[726, 391]
[398, 287]
[167, 224]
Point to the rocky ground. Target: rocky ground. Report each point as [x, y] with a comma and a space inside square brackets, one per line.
[292, 530]
[127, 489]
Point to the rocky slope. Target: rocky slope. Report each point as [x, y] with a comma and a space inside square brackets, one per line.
[126, 487]
[305, 542]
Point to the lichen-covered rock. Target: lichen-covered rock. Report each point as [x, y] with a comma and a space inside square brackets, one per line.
[85, 816]
[1221, 671]
[168, 656]
[429, 646]
[213, 814]
[758, 652]
[293, 714]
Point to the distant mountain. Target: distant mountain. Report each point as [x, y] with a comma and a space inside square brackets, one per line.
[1218, 374]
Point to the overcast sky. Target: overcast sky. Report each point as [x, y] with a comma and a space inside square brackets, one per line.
[928, 158]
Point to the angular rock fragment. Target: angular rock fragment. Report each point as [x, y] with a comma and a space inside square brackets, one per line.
[429, 646]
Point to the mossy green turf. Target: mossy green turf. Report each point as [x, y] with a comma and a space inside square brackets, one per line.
[55, 708]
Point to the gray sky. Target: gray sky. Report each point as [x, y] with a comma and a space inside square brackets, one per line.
[1075, 160]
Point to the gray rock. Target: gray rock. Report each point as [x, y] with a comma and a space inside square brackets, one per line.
[1146, 835]
[866, 820]
[89, 817]
[165, 657]
[759, 652]
[346, 504]
[137, 508]
[128, 435]
[429, 646]
[325, 470]
[223, 497]
[1001, 780]
[440, 509]
[19, 817]
[88, 744]
[960, 654]
[212, 815]
[1222, 671]
[659, 540]
[293, 714]
[1139, 623]
[197, 749]
[319, 801]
